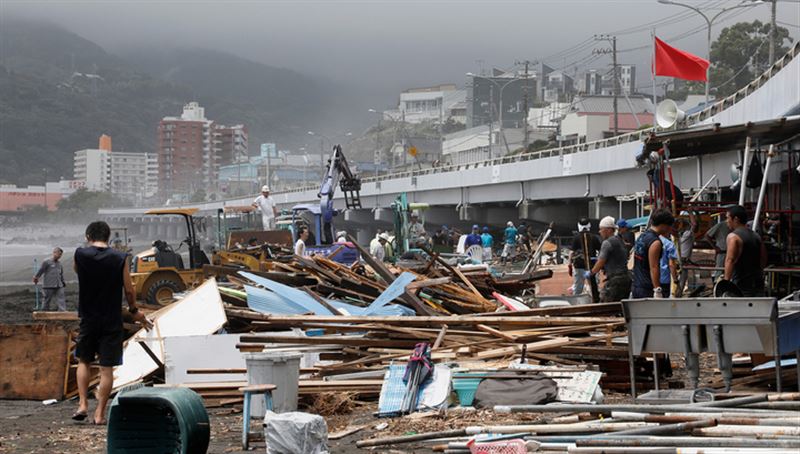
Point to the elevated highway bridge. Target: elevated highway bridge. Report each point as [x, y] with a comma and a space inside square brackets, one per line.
[558, 184]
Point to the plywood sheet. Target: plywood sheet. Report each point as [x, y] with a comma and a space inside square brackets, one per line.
[213, 351]
[199, 312]
[33, 359]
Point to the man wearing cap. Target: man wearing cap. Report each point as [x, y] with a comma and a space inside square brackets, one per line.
[624, 233]
[510, 246]
[378, 250]
[577, 264]
[417, 236]
[613, 260]
[717, 236]
[474, 238]
[486, 244]
[267, 206]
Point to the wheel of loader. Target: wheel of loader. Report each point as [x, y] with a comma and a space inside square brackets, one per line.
[161, 292]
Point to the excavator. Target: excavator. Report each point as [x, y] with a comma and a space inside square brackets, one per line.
[319, 219]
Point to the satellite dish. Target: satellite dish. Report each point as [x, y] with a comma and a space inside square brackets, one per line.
[667, 114]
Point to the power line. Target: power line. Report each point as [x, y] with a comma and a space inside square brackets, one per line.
[669, 20]
[685, 34]
[787, 24]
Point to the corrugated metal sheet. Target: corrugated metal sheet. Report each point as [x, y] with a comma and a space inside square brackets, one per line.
[285, 300]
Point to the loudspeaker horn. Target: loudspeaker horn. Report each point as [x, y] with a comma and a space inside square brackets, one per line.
[667, 114]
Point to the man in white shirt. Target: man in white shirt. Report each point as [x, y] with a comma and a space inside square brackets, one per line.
[300, 245]
[267, 206]
[378, 250]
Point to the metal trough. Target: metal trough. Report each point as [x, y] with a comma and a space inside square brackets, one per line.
[720, 325]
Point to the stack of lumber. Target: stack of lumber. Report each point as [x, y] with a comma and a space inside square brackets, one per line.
[357, 344]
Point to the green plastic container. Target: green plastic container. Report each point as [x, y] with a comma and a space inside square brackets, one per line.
[465, 389]
[158, 420]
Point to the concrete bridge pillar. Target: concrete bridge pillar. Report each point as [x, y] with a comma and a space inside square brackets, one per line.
[361, 217]
[364, 236]
[172, 231]
[601, 207]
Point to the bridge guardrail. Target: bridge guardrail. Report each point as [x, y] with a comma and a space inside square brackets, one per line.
[690, 120]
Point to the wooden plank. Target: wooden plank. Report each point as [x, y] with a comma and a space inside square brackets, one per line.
[408, 297]
[33, 358]
[428, 283]
[321, 301]
[581, 309]
[541, 345]
[55, 315]
[496, 333]
[330, 340]
[440, 338]
[428, 321]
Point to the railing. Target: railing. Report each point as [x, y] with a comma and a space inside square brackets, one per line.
[634, 136]
[690, 120]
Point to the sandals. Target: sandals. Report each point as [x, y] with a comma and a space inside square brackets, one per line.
[79, 415]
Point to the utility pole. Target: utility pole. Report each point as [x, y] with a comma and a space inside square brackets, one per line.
[525, 102]
[772, 32]
[615, 72]
[491, 118]
[616, 83]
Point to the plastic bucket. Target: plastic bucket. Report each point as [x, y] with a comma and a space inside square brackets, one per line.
[280, 369]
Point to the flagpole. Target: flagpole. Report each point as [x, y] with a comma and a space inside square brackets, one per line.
[653, 65]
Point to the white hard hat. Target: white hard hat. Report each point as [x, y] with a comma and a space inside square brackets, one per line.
[510, 224]
[383, 236]
[608, 223]
[265, 188]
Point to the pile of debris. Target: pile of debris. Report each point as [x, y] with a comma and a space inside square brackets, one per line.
[752, 423]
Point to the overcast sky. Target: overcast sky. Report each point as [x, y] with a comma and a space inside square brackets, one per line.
[387, 45]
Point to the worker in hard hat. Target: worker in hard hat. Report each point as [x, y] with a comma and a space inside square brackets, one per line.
[613, 260]
[268, 209]
[417, 236]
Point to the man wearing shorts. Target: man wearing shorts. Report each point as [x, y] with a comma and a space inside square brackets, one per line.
[103, 272]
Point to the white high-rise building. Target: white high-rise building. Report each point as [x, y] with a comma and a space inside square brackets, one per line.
[91, 166]
[131, 176]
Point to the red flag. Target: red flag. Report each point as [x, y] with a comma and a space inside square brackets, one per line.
[673, 62]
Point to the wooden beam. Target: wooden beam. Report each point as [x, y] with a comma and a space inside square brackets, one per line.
[427, 321]
[428, 283]
[440, 337]
[55, 315]
[496, 333]
[409, 298]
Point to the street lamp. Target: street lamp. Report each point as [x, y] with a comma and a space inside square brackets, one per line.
[322, 137]
[305, 167]
[491, 106]
[709, 23]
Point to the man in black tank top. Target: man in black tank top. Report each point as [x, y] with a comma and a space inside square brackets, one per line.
[647, 256]
[103, 273]
[747, 257]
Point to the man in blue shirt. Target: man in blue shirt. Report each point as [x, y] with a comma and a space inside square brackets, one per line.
[668, 266]
[486, 243]
[510, 246]
[474, 238]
